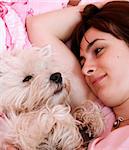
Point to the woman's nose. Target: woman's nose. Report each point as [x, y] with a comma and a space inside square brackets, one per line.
[88, 69]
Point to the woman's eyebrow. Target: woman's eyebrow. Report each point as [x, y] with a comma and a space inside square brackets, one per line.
[92, 43]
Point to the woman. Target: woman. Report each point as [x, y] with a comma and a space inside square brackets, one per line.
[103, 40]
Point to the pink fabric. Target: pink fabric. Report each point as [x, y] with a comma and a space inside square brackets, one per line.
[90, 1]
[12, 25]
[41, 6]
[116, 140]
[12, 19]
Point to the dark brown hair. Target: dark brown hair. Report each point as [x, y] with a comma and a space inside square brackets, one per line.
[112, 18]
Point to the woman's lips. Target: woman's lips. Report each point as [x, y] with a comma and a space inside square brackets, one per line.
[98, 79]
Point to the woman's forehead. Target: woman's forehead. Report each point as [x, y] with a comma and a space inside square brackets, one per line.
[93, 33]
[91, 37]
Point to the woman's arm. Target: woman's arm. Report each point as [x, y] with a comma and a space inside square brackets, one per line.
[53, 26]
[56, 26]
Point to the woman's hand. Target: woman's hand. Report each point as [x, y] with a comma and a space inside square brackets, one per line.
[73, 2]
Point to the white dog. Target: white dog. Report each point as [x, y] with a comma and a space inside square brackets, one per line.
[36, 102]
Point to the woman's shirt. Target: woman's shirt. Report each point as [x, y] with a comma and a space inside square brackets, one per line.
[117, 139]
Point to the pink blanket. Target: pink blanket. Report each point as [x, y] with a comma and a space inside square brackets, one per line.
[12, 19]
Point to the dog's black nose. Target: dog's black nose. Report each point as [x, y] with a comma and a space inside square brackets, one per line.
[56, 77]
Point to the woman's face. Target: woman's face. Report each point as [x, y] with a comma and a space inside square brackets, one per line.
[105, 64]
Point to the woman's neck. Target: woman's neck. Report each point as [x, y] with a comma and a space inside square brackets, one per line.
[122, 111]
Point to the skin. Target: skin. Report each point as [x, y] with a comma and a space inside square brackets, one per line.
[73, 2]
[105, 64]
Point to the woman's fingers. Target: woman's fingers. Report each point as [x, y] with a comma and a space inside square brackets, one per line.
[73, 2]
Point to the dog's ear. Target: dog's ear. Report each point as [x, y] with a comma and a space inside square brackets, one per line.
[46, 50]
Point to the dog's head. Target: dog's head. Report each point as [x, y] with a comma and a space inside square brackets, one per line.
[28, 79]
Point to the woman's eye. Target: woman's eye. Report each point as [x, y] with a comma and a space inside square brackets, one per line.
[27, 78]
[97, 51]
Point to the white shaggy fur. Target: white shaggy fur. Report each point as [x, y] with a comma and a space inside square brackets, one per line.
[36, 109]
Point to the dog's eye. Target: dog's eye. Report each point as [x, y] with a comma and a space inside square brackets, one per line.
[27, 78]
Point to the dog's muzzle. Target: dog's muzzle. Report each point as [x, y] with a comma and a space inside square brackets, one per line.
[57, 79]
